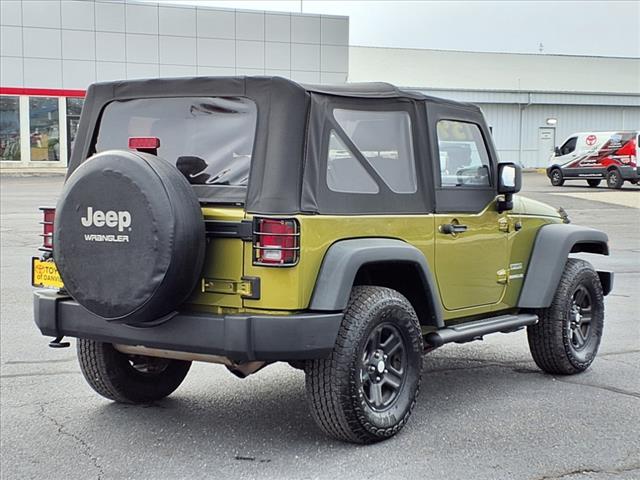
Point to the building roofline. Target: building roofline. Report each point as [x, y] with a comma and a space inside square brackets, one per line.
[188, 5]
[525, 91]
[563, 55]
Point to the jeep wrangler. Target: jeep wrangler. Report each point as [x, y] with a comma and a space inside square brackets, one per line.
[345, 230]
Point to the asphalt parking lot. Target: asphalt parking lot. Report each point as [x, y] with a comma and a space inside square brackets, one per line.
[485, 411]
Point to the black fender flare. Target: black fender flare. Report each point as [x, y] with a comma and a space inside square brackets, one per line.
[553, 244]
[344, 258]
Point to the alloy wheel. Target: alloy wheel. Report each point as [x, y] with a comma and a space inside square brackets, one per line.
[580, 313]
[384, 366]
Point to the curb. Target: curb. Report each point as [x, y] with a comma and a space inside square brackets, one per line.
[39, 172]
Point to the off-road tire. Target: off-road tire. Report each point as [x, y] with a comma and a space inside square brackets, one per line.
[111, 374]
[551, 340]
[556, 177]
[594, 183]
[614, 179]
[335, 385]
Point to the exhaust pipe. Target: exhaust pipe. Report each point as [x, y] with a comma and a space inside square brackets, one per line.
[240, 370]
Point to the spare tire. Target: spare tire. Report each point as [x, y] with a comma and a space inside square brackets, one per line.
[129, 237]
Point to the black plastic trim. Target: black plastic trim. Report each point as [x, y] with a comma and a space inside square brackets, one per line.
[475, 330]
[343, 260]
[606, 280]
[240, 337]
[629, 173]
[221, 229]
[551, 249]
[255, 288]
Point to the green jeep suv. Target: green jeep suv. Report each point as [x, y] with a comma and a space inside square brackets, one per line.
[346, 230]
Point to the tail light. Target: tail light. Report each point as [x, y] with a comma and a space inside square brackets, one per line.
[49, 214]
[628, 152]
[276, 242]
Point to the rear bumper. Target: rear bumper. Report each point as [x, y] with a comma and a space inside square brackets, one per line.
[629, 173]
[241, 338]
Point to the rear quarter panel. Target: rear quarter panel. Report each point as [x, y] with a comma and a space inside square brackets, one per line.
[290, 288]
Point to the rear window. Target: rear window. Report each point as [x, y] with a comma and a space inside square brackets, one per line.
[210, 140]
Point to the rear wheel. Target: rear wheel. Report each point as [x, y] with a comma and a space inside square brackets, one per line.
[593, 183]
[567, 336]
[128, 378]
[557, 180]
[365, 391]
[614, 179]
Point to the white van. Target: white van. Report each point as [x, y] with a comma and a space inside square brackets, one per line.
[592, 156]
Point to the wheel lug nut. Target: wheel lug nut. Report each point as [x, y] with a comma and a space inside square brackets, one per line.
[372, 368]
[377, 355]
[377, 379]
[386, 371]
[384, 356]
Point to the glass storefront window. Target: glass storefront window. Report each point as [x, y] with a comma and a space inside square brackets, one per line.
[44, 129]
[9, 128]
[74, 108]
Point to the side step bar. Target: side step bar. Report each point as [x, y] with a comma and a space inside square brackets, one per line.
[466, 332]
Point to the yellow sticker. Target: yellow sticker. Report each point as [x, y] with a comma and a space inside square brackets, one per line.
[45, 274]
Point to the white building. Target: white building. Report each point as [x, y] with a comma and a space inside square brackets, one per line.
[52, 50]
[532, 102]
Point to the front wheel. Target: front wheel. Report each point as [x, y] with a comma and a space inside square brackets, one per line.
[593, 183]
[128, 378]
[365, 391]
[556, 177]
[567, 336]
[614, 180]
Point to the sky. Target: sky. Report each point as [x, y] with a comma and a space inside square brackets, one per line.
[575, 27]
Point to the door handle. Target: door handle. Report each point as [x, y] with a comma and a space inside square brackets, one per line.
[452, 228]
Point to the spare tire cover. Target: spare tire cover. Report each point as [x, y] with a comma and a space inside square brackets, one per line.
[129, 236]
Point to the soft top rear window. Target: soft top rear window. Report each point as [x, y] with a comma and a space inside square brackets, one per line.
[209, 139]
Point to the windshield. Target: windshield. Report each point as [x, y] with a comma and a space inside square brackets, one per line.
[210, 140]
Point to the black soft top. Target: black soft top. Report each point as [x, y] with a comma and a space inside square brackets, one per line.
[364, 90]
[376, 90]
[283, 144]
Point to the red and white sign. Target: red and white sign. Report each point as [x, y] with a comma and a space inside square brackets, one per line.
[591, 140]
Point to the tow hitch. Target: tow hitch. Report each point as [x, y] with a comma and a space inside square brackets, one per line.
[58, 343]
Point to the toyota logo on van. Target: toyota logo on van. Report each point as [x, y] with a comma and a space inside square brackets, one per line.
[111, 219]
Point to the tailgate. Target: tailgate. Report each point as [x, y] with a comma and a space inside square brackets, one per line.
[222, 284]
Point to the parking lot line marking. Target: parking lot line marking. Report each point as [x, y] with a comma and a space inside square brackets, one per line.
[625, 199]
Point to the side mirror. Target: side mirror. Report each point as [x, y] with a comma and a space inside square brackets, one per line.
[509, 182]
[558, 152]
[509, 178]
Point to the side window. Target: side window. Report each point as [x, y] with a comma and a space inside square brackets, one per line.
[384, 140]
[464, 160]
[344, 172]
[569, 146]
